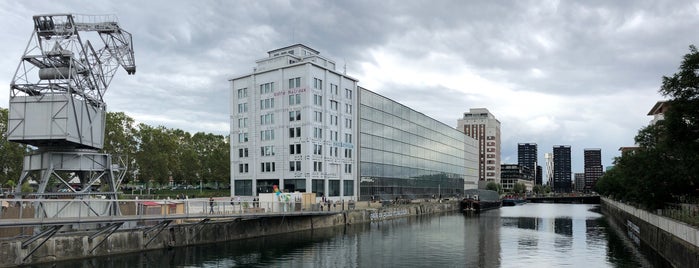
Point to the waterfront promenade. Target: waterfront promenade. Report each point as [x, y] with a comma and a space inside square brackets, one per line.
[78, 231]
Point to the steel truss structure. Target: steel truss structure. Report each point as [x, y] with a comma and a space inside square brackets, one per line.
[57, 105]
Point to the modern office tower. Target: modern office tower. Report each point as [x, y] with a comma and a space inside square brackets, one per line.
[404, 153]
[561, 169]
[527, 157]
[539, 179]
[593, 168]
[481, 125]
[295, 123]
[515, 173]
[549, 169]
[579, 182]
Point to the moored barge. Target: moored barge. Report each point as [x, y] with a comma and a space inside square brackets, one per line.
[478, 200]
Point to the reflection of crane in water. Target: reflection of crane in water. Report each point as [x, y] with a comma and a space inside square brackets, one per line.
[57, 105]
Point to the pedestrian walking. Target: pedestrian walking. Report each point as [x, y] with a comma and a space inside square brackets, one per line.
[211, 205]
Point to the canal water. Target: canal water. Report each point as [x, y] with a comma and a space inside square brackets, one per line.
[531, 235]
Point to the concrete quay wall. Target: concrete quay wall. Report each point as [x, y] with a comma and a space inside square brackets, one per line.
[77, 245]
[676, 241]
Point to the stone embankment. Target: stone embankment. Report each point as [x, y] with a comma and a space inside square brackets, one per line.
[78, 245]
[675, 241]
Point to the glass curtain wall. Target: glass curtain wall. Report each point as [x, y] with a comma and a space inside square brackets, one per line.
[406, 154]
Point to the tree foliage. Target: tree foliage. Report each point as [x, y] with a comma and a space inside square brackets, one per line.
[151, 154]
[11, 154]
[494, 186]
[666, 166]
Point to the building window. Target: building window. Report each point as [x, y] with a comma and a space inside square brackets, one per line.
[318, 187]
[348, 123]
[317, 133]
[348, 153]
[295, 82]
[267, 150]
[243, 168]
[317, 83]
[348, 186]
[333, 105]
[242, 122]
[294, 116]
[295, 132]
[242, 93]
[267, 167]
[333, 187]
[348, 138]
[267, 119]
[267, 135]
[317, 100]
[295, 148]
[242, 152]
[317, 166]
[267, 88]
[333, 135]
[318, 116]
[294, 99]
[267, 104]
[333, 89]
[242, 137]
[333, 151]
[348, 93]
[317, 149]
[242, 108]
[348, 168]
[333, 120]
[243, 187]
[294, 165]
[348, 108]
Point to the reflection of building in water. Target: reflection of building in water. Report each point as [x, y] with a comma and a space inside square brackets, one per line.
[594, 233]
[485, 230]
[564, 228]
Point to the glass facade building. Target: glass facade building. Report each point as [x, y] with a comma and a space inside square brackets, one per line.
[406, 154]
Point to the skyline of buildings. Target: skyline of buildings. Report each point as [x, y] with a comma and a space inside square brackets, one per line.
[298, 123]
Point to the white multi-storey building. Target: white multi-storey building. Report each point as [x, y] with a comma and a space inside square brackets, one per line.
[299, 124]
[482, 125]
[293, 124]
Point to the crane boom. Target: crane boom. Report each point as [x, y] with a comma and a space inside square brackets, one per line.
[69, 59]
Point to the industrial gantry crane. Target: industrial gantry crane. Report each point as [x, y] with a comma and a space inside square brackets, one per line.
[57, 106]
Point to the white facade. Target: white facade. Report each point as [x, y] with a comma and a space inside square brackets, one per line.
[549, 168]
[293, 124]
[482, 125]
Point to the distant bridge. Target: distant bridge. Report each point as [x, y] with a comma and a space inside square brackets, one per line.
[590, 199]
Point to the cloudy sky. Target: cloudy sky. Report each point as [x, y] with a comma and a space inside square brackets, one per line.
[579, 73]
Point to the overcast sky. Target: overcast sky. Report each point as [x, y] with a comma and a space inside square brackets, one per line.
[579, 73]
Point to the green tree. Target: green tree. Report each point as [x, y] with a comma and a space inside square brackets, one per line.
[537, 189]
[547, 189]
[666, 166]
[120, 140]
[519, 188]
[494, 186]
[681, 124]
[156, 156]
[11, 153]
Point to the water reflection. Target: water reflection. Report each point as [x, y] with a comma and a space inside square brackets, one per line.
[533, 235]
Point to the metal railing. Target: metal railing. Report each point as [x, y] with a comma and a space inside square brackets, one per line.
[84, 213]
